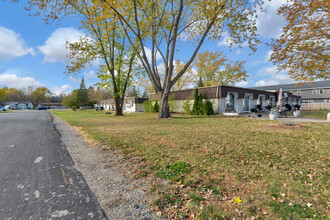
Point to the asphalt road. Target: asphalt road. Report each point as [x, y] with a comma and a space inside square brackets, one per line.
[37, 175]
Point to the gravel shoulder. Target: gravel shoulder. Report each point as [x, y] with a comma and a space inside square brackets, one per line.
[107, 174]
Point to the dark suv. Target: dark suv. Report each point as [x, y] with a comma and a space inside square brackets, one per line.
[42, 108]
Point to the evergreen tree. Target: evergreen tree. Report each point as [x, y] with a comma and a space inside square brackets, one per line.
[145, 94]
[156, 107]
[208, 108]
[200, 82]
[200, 104]
[195, 105]
[82, 94]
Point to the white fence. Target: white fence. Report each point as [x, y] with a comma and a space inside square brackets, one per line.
[315, 106]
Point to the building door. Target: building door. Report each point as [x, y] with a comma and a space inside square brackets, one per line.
[230, 102]
[246, 103]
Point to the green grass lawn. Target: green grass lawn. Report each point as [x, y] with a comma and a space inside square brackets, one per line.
[322, 114]
[6, 111]
[219, 167]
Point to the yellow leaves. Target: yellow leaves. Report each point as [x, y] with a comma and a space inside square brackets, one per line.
[237, 200]
[302, 48]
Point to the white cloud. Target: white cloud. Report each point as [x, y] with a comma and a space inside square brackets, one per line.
[241, 84]
[266, 82]
[62, 89]
[227, 40]
[238, 51]
[274, 77]
[73, 79]
[90, 74]
[148, 54]
[269, 23]
[54, 47]
[12, 45]
[11, 80]
[268, 55]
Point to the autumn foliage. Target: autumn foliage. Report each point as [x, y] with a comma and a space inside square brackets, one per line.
[303, 48]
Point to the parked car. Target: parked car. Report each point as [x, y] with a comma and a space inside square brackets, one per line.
[4, 109]
[42, 108]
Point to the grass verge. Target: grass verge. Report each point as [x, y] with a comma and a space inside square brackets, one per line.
[322, 113]
[218, 168]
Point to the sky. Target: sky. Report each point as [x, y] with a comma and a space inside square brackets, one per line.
[34, 53]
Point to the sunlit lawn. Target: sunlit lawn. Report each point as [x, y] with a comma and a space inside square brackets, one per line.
[222, 167]
[315, 114]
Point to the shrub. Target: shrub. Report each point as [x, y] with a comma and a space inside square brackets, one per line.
[171, 104]
[195, 105]
[198, 103]
[147, 106]
[186, 106]
[156, 107]
[208, 108]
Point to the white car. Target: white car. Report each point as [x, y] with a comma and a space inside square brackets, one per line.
[4, 109]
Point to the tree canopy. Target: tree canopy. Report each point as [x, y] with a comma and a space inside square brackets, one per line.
[154, 28]
[213, 68]
[161, 24]
[303, 49]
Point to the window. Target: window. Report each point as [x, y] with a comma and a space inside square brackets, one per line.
[230, 102]
[247, 102]
[260, 99]
[326, 100]
[298, 92]
[314, 91]
[271, 101]
[321, 91]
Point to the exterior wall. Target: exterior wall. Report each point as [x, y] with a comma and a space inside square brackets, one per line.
[178, 104]
[129, 106]
[22, 106]
[239, 107]
[308, 94]
[139, 107]
[315, 106]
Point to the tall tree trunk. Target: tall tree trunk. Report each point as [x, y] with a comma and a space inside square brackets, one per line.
[164, 109]
[119, 106]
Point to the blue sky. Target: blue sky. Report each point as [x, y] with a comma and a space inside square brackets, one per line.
[33, 53]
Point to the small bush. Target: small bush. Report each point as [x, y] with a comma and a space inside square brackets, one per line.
[208, 108]
[147, 106]
[156, 107]
[198, 104]
[186, 106]
[171, 104]
[73, 107]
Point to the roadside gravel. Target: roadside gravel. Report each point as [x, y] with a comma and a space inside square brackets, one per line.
[107, 175]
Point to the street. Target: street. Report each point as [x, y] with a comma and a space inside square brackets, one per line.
[38, 179]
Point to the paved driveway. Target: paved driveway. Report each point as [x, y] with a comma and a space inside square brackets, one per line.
[37, 175]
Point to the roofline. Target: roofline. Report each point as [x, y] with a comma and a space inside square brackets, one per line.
[288, 84]
[259, 90]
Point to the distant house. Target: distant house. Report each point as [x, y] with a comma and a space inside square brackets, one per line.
[3, 103]
[25, 105]
[317, 92]
[131, 104]
[17, 105]
[50, 105]
[229, 99]
[316, 95]
[12, 105]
